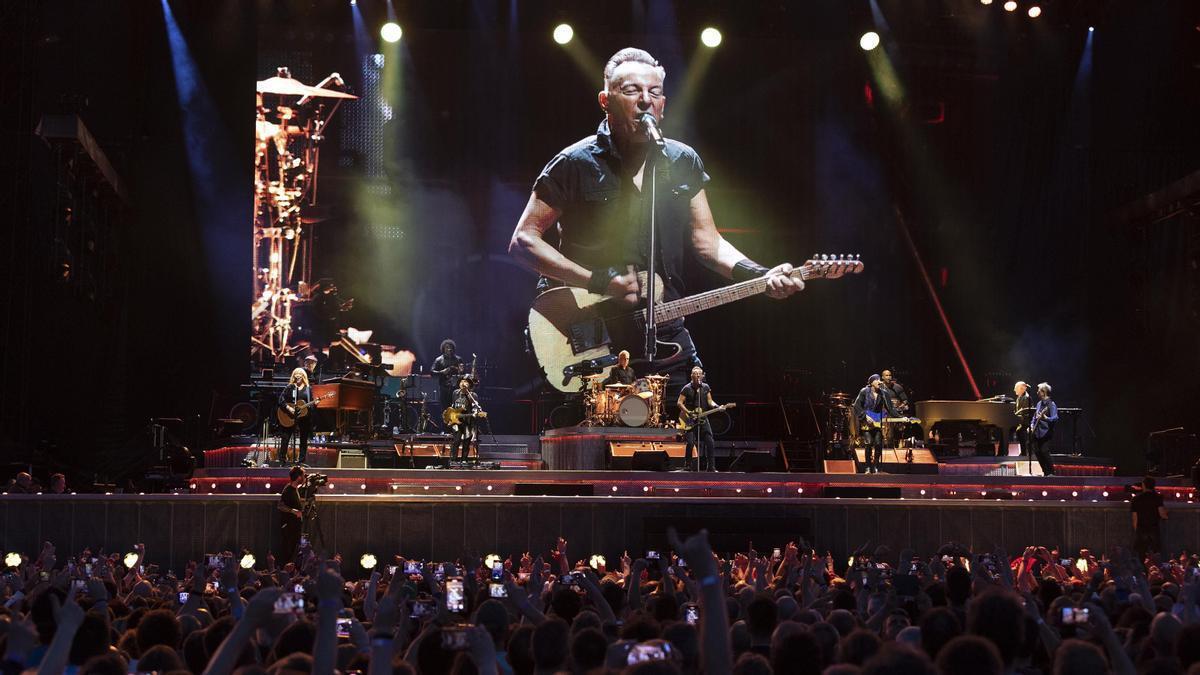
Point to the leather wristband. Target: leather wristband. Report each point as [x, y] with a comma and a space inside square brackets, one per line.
[598, 283]
[746, 269]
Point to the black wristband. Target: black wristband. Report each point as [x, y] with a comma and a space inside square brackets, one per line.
[746, 269]
[598, 283]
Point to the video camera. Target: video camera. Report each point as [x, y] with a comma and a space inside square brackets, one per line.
[316, 480]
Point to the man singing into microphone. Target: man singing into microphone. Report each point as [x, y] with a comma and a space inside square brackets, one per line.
[595, 190]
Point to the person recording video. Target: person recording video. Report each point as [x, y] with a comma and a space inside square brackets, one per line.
[292, 519]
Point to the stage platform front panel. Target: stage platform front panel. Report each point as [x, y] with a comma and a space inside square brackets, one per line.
[586, 448]
[181, 528]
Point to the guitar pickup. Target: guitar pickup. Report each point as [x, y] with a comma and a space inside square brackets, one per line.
[588, 334]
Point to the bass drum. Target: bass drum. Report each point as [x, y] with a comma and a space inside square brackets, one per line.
[634, 409]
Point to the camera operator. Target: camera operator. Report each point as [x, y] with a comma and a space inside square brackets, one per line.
[292, 520]
[1147, 511]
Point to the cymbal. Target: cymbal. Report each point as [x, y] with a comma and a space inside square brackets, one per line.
[657, 377]
[287, 86]
[618, 386]
[597, 376]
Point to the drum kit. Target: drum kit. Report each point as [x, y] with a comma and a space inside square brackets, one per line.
[631, 405]
[290, 122]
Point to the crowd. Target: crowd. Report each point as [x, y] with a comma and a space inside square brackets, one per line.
[681, 611]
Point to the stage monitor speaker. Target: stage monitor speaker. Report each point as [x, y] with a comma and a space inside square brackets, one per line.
[351, 460]
[840, 466]
[652, 460]
[629, 448]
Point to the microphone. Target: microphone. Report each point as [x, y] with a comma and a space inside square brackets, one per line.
[650, 126]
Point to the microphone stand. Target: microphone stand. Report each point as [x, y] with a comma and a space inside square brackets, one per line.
[651, 336]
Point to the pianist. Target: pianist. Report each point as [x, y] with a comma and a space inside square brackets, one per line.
[870, 407]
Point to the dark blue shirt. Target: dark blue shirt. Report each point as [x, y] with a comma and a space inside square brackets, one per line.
[1046, 424]
[604, 218]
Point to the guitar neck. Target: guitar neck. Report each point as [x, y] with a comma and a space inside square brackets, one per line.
[675, 309]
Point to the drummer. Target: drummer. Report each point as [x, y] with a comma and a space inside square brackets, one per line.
[622, 373]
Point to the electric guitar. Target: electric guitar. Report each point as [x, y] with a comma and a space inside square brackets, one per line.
[690, 418]
[875, 420]
[574, 333]
[287, 418]
[453, 416]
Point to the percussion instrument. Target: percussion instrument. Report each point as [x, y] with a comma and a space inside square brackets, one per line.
[633, 405]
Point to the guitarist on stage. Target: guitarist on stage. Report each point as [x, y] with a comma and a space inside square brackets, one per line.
[590, 199]
[697, 394]
[1041, 428]
[871, 404]
[449, 368]
[297, 392]
[463, 433]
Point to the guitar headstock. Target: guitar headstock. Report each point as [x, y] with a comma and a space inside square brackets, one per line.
[831, 266]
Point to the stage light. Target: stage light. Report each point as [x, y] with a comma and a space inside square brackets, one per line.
[130, 559]
[12, 559]
[1091, 29]
[799, 491]
[1074, 493]
[1035, 12]
[362, 486]
[1010, 6]
[869, 40]
[491, 559]
[710, 37]
[247, 561]
[354, 3]
[367, 561]
[985, 2]
[563, 33]
[489, 488]
[267, 486]
[390, 32]
[597, 561]
[1105, 493]
[237, 486]
[1044, 493]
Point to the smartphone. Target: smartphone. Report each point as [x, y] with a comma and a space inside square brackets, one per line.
[497, 590]
[497, 570]
[1065, 562]
[422, 609]
[681, 563]
[652, 555]
[412, 567]
[80, 584]
[289, 603]
[568, 579]
[45, 576]
[183, 597]
[392, 570]
[776, 554]
[439, 574]
[303, 541]
[454, 595]
[645, 652]
[298, 589]
[691, 614]
[215, 562]
[87, 568]
[914, 568]
[210, 587]
[343, 626]
[454, 638]
[1074, 615]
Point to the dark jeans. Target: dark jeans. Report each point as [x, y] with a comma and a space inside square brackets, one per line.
[1023, 441]
[873, 446]
[290, 534]
[303, 427]
[701, 438]
[461, 442]
[1041, 448]
[1147, 540]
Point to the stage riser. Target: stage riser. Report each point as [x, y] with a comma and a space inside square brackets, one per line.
[178, 529]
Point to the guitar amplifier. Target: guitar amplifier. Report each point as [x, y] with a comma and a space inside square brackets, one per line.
[351, 459]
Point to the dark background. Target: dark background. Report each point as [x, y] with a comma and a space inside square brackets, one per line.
[1004, 171]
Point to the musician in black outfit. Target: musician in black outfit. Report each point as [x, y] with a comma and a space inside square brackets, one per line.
[873, 399]
[591, 199]
[623, 372]
[697, 394]
[1023, 409]
[463, 433]
[1045, 416]
[291, 518]
[896, 390]
[298, 391]
[448, 367]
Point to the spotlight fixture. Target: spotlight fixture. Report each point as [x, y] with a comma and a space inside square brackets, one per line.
[390, 32]
[1034, 12]
[869, 40]
[1010, 6]
[247, 561]
[710, 37]
[1091, 29]
[367, 561]
[563, 33]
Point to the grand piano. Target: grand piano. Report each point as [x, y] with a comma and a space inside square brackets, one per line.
[985, 413]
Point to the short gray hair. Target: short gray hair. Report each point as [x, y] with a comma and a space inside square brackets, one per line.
[631, 54]
[1045, 386]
